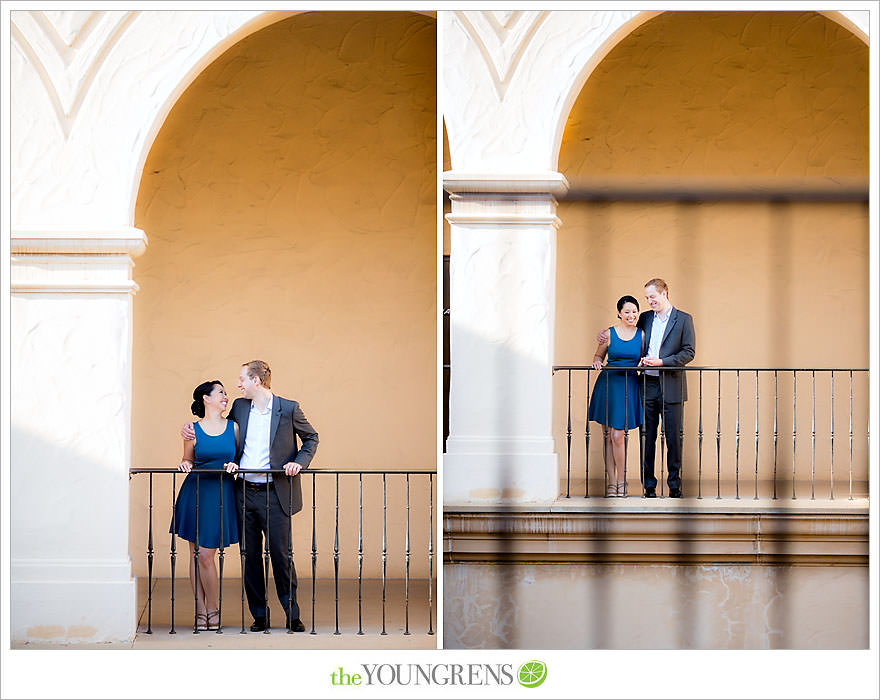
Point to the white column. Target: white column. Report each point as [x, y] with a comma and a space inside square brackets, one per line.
[71, 326]
[502, 302]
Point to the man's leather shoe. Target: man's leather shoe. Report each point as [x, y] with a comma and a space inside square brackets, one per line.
[259, 624]
[297, 626]
[675, 493]
[650, 493]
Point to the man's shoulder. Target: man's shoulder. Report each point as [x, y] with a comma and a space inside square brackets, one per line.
[286, 404]
[682, 313]
[240, 403]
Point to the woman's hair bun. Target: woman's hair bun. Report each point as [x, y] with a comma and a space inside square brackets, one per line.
[199, 394]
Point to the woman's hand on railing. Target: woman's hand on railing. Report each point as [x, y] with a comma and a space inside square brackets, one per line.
[185, 466]
[597, 362]
[230, 467]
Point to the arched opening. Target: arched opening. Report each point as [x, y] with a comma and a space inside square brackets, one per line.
[746, 101]
[289, 199]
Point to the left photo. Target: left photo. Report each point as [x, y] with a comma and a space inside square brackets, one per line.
[223, 330]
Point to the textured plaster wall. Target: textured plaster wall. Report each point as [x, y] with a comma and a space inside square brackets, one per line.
[290, 203]
[628, 606]
[748, 95]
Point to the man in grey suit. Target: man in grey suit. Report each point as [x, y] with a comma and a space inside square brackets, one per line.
[670, 337]
[269, 426]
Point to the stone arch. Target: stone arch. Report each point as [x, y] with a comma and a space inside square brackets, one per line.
[569, 94]
[322, 187]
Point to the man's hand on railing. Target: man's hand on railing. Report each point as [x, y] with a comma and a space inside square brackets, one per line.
[187, 432]
[651, 362]
[185, 465]
[292, 468]
[230, 467]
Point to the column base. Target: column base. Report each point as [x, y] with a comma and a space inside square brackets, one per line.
[500, 478]
[71, 610]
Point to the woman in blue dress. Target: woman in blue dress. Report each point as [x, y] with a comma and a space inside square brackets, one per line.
[205, 513]
[616, 402]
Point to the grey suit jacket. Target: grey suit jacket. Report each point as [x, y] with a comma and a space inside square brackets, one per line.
[676, 350]
[288, 423]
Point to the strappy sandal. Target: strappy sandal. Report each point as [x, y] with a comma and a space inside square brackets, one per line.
[621, 489]
[610, 489]
[202, 622]
[213, 620]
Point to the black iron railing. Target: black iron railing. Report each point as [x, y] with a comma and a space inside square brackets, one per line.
[754, 389]
[403, 511]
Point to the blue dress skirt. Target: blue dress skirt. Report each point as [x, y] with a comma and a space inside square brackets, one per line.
[217, 519]
[616, 400]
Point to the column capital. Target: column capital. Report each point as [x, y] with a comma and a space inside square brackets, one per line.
[55, 260]
[547, 182]
[121, 240]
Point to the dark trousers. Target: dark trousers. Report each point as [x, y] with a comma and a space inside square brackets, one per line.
[271, 522]
[672, 417]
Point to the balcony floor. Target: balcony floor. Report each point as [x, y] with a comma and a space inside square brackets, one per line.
[278, 638]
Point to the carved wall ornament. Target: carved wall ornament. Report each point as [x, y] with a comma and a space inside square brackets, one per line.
[502, 38]
[66, 49]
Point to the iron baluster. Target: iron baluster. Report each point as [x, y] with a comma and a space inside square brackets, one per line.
[242, 547]
[430, 554]
[718, 442]
[384, 546]
[756, 435]
[360, 554]
[314, 548]
[173, 543]
[831, 466]
[700, 441]
[336, 557]
[737, 435]
[288, 619]
[220, 564]
[813, 438]
[793, 434]
[587, 439]
[662, 379]
[568, 444]
[196, 562]
[266, 562]
[150, 565]
[406, 584]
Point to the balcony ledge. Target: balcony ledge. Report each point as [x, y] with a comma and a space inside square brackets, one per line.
[689, 531]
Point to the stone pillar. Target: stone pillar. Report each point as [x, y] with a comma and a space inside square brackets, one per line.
[71, 326]
[502, 302]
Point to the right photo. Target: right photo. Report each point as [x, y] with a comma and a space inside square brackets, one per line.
[656, 329]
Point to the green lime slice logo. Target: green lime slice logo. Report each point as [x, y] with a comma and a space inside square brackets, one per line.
[531, 674]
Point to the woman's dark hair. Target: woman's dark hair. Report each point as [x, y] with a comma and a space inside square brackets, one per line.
[624, 299]
[199, 394]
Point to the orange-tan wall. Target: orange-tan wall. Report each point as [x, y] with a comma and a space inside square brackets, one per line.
[726, 95]
[290, 205]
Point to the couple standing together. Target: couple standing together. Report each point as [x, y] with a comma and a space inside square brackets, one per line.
[260, 433]
[662, 337]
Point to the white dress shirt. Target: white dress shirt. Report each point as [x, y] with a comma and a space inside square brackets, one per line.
[256, 442]
[658, 328]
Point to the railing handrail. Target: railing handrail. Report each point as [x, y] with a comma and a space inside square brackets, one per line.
[338, 470]
[692, 368]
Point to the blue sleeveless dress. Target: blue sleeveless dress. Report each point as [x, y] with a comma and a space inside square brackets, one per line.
[214, 518]
[617, 399]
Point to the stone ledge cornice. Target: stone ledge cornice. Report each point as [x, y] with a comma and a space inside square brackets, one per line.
[839, 538]
[126, 240]
[541, 183]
